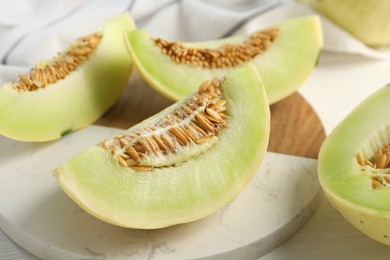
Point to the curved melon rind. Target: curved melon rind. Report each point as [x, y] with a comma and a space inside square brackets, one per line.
[346, 186]
[179, 194]
[76, 101]
[283, 67]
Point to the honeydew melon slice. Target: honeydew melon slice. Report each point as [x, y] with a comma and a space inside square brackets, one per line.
[181, 187]
[360, 192]
[283, 66]
[79, 98]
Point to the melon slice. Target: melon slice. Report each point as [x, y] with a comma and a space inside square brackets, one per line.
[285, 55]
[354, 163]
[71, 90]
[180, 165]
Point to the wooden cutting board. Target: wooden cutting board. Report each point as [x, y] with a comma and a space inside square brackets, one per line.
[295, 127]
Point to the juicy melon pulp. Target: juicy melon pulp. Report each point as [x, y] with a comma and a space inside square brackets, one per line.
[184, 192]
[283, 66]
[75, 101]
[348, 185]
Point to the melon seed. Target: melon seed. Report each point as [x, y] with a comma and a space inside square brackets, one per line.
[141, 168]
[376, 184]
[203, 139]
[228, 55]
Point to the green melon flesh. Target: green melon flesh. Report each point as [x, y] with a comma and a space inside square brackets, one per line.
[367, 20]
[283, 67]
[182, 193]
[75, 101]
[346, 185]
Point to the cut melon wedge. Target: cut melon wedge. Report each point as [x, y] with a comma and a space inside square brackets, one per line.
[195, 183]
[76, 100]
[283, 66]
[353, 178]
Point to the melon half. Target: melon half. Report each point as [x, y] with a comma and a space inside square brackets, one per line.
[76, 99]
[283, 65]
[367, 20]
[354, 166]
[166, 188]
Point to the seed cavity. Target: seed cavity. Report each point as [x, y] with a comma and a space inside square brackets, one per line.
[186, 132]
[228, 55]
[58, 67]
[378, 166]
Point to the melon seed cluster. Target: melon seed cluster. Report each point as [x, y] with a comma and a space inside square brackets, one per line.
[60, 66]
[381, 160]
[195, 122]
[228, 55]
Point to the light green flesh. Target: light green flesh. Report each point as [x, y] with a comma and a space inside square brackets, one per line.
[348, 188]
[178, 194]
[283, 67]
[75, 101]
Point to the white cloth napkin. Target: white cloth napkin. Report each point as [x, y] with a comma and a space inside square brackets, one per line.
[33, 30]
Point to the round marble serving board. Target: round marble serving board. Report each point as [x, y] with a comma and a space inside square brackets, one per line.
[36, 213]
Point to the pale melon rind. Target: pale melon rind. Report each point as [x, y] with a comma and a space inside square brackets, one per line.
[76, 101]
[179, 194]
[283, 67]
[367, 20]
[348, 188]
